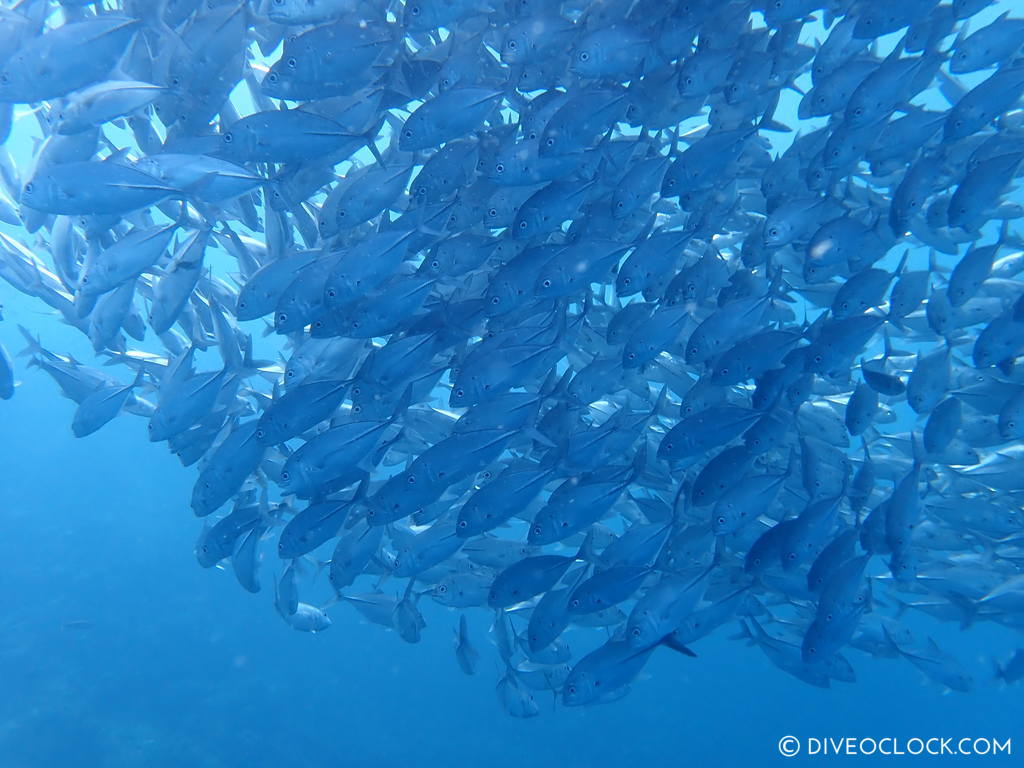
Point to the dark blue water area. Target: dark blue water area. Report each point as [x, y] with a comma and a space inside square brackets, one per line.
[119, 650]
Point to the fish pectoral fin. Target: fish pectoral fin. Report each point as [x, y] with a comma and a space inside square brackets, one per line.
[678, 647]
[145, 187]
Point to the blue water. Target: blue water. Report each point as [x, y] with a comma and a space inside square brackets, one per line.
[118, 650]
[179, 667]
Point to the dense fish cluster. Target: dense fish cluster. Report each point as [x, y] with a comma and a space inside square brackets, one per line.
[627, 322]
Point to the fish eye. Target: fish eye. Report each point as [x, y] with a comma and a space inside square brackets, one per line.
[538, 530]
[791, 556]
[260, 434]
[721, 520]
[495, 300]
[282, 317]
[584, 56]
[292, 62]
[512, 45]
[285, 476]
[228, 137]
[571, 690]
[459, 392]
[550, 141]
[29, 188]
[407, 133]
[414, 10]
[441, 588]
[493, 212]
[272, 77]
[523, 225]
[462, 523]
[546, 283]
[331, 293]
[435, 264]
[500, 167]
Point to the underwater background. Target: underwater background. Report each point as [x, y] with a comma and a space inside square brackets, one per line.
[118, 650]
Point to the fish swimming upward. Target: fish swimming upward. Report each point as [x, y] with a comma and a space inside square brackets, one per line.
[617, 324]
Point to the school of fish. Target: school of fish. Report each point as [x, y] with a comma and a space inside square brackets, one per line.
[625, 322]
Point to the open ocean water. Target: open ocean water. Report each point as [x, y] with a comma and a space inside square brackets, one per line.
[118, 651]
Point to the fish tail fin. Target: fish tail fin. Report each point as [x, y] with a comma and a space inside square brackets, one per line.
[661, 404]
[886, 344]
[934, 266]
[402, 406]
[34, 347]
[792, 461]
[998, 673]
[916, 449]
[679, 502]
[901, 267]
[1004, 232]
[768, 121]
[744, 633]
[640, 459]
[140, 378]
[586, 551]
[556, 386]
